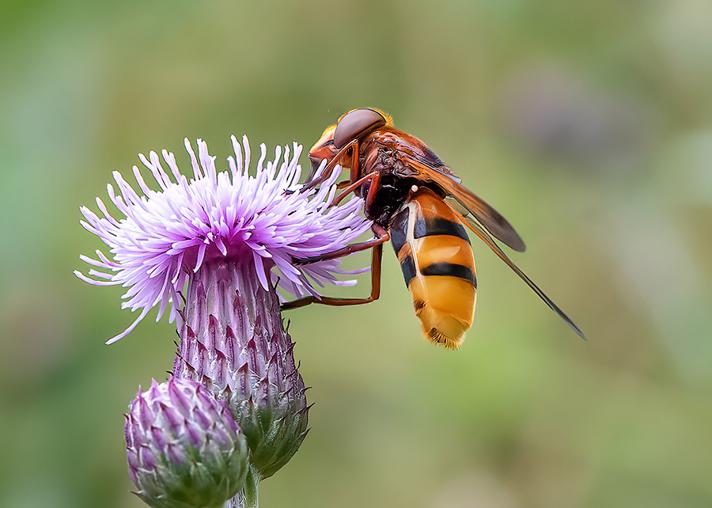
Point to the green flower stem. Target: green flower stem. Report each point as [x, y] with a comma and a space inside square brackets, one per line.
[249, 495]
[251, 490]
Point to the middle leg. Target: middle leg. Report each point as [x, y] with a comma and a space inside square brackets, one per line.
[376, 259]
[382, 236]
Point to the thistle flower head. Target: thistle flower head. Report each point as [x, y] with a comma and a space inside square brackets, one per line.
[184, 447]
[164, 236]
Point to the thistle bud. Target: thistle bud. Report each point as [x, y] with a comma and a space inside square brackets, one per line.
[184, 447]
[232, 339]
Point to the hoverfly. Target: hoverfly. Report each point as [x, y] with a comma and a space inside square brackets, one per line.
[421, 206]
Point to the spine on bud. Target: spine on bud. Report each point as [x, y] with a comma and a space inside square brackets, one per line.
[232, 340]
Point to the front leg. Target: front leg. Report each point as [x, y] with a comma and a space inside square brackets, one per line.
[382, 236]
[352, 186]
[331, 165]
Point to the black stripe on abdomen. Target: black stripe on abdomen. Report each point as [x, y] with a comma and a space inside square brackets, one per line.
[408, 269]
[438, 226]
[399, 229]
[452, 270]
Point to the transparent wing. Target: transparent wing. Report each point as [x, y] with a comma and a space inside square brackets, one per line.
[479, 230]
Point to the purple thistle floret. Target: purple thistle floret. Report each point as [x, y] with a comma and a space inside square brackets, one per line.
[167, 235]
[184, 447]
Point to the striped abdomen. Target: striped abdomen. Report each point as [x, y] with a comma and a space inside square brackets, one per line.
[438, 266]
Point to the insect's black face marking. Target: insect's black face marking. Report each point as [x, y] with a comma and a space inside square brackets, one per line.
[438, 226]
[355, 124]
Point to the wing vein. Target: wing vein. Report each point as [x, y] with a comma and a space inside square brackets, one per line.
[489, 241]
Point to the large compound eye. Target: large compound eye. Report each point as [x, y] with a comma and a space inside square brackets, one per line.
[355, 124]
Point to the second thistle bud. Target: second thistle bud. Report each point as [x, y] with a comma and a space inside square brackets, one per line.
[184, 447]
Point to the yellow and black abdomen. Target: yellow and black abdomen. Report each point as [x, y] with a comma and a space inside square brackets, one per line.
[438, 266]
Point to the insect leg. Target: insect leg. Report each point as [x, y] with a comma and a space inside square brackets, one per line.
[372, 191]
[376, 244]
[382, 236]
[354, 163]
[376, 258]
[329, 168]
[352, 187]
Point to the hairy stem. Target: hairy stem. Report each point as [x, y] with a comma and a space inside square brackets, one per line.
[251, 492]
[249, 495]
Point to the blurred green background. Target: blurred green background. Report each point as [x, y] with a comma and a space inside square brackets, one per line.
[588, 124]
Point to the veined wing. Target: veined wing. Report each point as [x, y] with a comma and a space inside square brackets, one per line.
[476, 228]
[489, 218]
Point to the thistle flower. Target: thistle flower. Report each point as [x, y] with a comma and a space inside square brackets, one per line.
[228, 241]
[166, 236]
[184, 447]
